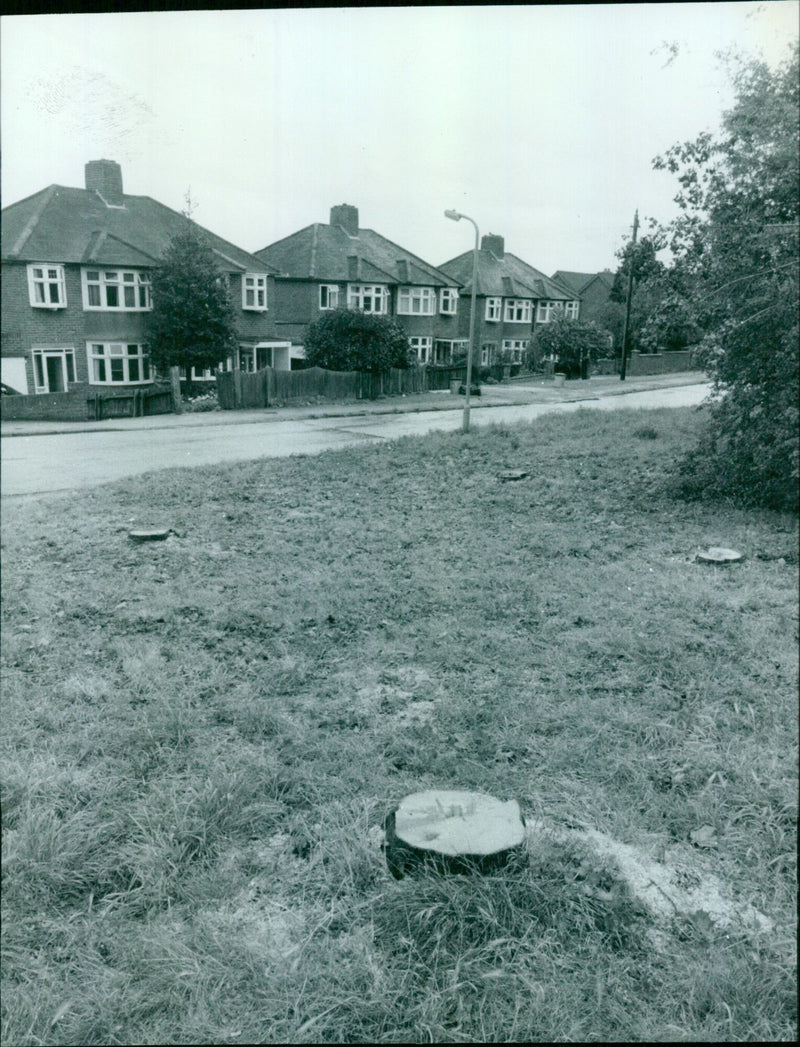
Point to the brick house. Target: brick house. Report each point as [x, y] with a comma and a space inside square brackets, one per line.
[512, 300]
[76, 267]
[593, 289]
[340, 264]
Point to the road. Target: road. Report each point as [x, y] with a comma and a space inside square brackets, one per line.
[50, 463]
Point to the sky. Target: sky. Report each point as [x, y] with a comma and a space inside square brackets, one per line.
[539, 122]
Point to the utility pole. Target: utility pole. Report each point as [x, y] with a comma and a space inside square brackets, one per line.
[628, 300]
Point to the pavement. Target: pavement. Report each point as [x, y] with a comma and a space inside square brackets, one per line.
[506, 394]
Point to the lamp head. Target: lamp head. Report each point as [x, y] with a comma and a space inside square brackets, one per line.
[456, 217]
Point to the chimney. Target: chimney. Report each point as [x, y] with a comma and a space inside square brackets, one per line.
[105, 178]
[346, 216]
[493, 243]
[353, 267]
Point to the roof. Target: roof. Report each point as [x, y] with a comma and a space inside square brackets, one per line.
[60, 224]
[578, 281]
[323, 252]
[508, 277]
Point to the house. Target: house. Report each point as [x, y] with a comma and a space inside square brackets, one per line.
[341, 264]
[592, 288]
[76, 289]
[512, 300]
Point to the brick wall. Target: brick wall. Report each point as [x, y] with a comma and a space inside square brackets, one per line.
[64, 407]
[660, 363]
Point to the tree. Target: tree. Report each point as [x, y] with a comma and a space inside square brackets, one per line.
[192, 322]
[573, 344]
[735, 247]
[350, 340]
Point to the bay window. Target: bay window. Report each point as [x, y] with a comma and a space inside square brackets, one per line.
[369, 298]
[518, 311]
[116, 289]
[422, 348]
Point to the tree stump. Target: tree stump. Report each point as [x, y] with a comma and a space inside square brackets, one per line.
[720, 556]
[453, 832]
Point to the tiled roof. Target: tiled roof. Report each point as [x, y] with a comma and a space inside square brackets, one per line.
[327, 252]
[578, 281]
[61, 224]
[508, 277]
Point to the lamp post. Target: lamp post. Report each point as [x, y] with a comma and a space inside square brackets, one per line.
[456, 217]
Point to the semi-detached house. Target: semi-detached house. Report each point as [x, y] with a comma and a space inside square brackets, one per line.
[76, 289]
[341, 265]
[512, 300]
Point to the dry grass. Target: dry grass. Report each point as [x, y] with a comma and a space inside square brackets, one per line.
[202, 737]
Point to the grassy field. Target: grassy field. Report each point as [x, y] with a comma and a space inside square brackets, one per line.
[202, 737]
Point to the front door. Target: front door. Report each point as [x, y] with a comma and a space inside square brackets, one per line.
[55, 374]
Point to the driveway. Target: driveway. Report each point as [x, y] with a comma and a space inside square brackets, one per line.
[37, 460]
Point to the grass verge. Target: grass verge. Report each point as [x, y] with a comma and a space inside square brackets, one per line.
[202, 738]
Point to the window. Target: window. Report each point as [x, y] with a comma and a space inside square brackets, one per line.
[493, 308]
[515, 347]
[118, 363]
[571, 310]
[121, 289]
[198, 374]
[448, 300]
[518, 311]
[445, 350]
[254, 291]
[548, 311]
[47, 288]
[488, 351]
[369, 298]
[53, 370]
[423, 348]
[328, 296]
[416, 301]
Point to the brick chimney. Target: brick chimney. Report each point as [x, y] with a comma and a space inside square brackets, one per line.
[105, 177]
[346, 216]
[493, 243]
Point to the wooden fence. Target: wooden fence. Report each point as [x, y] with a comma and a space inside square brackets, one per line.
[136, 404]
[238, 390]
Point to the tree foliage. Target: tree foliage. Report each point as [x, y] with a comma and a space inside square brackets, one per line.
[735, 274]
[192, 321]
[350, 340]
[573, 344]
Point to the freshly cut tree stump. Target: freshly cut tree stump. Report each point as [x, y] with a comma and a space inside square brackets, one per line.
[718, 555]
[454, 832]
[150, 534]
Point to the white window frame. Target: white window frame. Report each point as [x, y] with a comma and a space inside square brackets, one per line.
[121, 280]
[254, 284]
[494, 308]
[67, 357]
[448, 301]
[518, 311]
[101, 356]
[359, 296]
[516, 346]
[487, 351]
[47, 286]
[422, 347]
[416, 301]
[545, 311]
[329, 296]
[571, 310]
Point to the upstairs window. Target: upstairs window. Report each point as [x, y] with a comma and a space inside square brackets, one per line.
[254, 292]
[518, 311]
[116, 289]
[493, 308]
[448, 300]
[329, 296]
[47, 288]
[369, 298]
[118, 363]
[571, 310]
[416, 301]
[547, 311]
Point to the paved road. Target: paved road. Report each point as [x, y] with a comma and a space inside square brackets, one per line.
[49, 463]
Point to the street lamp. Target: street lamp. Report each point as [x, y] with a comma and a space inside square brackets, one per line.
[456, 216]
